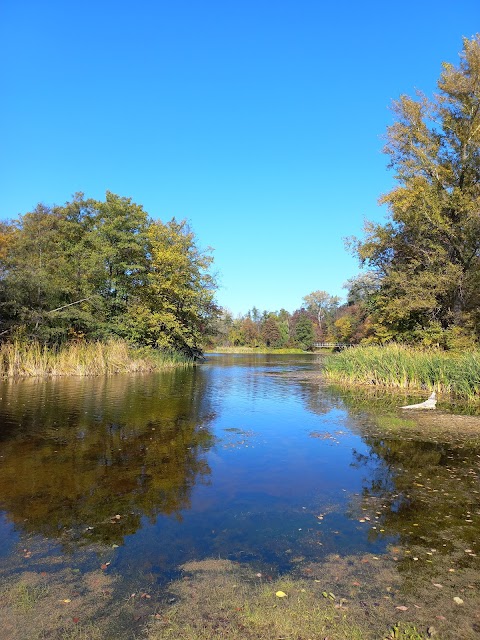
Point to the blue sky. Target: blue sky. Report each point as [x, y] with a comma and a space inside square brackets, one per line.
[258, 121]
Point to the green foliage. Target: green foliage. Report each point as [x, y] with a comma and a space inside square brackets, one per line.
[304, 333]
[406, 367]
[100, 270]
[180, 290]
[427, 256]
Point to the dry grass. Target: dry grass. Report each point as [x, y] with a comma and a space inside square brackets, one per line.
[21, 359]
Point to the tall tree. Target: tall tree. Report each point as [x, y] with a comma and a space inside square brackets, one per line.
[121, 228]
[270, 332]
[177, 303]
[303, 333]
[46, 264]
[323, 305]
[429, 251]
[98, 269]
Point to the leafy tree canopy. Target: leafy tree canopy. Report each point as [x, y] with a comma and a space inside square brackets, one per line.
[91, 269]
[428, 253]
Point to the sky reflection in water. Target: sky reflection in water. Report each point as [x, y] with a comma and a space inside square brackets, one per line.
[236, 459]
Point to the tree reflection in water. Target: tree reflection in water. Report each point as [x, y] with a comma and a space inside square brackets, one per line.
[78, 452]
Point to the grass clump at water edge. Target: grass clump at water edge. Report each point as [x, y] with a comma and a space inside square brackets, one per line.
[22, 359]
[396, 366]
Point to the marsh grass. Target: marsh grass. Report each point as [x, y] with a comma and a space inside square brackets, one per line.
[259, 350]
[401, 367]
[22, 359]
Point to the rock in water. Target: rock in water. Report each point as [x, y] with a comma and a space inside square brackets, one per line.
[431, 403]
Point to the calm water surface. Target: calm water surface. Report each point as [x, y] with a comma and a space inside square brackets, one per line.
[237, 458]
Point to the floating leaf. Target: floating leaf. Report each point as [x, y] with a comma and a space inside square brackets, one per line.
[281, 594]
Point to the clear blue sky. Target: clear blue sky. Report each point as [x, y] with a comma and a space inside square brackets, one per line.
[258, 121]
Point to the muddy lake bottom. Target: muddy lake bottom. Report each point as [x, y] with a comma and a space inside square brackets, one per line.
[181, 504]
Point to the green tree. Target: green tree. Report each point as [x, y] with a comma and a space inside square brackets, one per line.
[99, 269]
[428, 254]
[121, 228]
[176, 305]
[47, 263]
[304, 333]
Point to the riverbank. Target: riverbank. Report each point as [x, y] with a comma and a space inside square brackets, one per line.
[22, 360]
[260, 350]
[395, 366]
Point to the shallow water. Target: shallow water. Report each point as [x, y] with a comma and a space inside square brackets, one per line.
[238, 458]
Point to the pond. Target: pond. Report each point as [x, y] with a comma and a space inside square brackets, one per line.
[249, 458]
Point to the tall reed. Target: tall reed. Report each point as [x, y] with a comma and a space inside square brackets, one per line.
[22, 359]
[408, 368]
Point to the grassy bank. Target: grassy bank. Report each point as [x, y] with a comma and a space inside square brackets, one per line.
[262, 350]
[22, 359]
[407, 368]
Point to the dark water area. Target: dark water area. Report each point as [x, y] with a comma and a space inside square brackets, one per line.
[238, 458]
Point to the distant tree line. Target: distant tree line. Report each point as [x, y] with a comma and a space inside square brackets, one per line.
[421, 269]
[321, 318]
[92, 270]
[101, 269]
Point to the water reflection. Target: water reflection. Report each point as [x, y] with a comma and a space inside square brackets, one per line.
[252, 456]
[421, 488]
[76, 453]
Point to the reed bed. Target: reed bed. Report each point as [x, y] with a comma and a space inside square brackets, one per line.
[456, 373]
[22, 359]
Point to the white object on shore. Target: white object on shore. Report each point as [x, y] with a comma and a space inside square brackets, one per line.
[431, 403]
